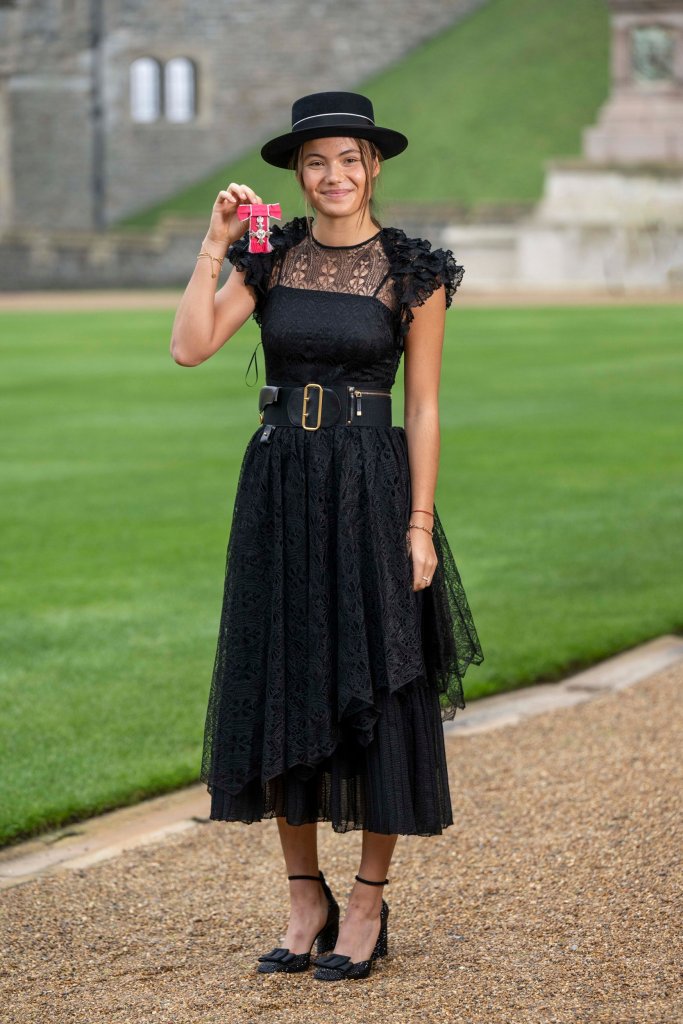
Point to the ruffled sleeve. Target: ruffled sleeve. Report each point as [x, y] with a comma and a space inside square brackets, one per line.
[257, 268]
[418, 270]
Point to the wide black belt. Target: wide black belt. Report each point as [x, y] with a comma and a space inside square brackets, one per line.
[311, 406]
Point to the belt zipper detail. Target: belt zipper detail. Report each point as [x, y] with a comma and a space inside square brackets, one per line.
[358, 394]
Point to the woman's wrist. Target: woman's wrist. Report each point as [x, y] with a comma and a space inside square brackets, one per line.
[421, 519]
[421, 514]
[215, 247]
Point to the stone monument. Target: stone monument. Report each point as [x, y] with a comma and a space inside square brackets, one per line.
[642, 122]
[614, 218]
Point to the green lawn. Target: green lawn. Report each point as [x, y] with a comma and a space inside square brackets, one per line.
[560, 488]
[483, 104]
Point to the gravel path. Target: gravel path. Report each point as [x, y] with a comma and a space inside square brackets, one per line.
[555, 898]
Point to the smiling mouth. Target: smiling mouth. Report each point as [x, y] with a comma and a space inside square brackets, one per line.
[338, 192]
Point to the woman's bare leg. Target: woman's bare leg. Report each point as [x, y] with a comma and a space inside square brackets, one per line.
[360, 928]
[308, 904]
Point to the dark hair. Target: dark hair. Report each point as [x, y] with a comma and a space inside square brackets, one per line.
[368, 152]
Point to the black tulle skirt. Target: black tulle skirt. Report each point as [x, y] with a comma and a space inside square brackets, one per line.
[332, 676]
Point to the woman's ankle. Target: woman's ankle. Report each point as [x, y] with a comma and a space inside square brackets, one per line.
[305, 895]
[364, 901]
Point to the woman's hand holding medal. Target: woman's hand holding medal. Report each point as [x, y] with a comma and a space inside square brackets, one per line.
[226, 227]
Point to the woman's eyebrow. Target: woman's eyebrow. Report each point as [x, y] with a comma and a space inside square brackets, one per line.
[352, 150]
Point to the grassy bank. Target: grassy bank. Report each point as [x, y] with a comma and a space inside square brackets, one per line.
[483, 104]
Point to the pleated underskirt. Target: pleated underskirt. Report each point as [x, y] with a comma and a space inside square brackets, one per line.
[398, 784]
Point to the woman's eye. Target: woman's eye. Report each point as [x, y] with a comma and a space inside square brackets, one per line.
[348, 159]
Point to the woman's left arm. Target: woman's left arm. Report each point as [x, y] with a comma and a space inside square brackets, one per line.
[422, 375]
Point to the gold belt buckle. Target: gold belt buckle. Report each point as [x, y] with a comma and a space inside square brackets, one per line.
[304, 412]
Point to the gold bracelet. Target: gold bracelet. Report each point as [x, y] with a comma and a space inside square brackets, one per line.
[218, 259]
[416, 526]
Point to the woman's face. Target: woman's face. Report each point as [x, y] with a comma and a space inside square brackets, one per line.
[333, 175]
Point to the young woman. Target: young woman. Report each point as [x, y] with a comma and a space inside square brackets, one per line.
[345, 630]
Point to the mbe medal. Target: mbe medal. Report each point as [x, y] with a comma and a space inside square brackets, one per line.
[259, 215]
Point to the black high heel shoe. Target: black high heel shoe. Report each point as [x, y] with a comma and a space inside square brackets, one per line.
[280, 960]
[337, 967]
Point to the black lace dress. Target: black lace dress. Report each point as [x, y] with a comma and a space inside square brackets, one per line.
[332, 675]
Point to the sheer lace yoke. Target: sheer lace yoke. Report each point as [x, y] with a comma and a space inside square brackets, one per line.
[363, 269]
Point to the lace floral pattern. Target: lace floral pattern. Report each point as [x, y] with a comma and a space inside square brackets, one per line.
[358, 270]
[320, 627]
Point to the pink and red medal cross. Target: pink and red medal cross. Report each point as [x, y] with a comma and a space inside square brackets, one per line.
[259, 215]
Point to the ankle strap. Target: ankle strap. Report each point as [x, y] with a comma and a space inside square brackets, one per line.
[367, 882]
[314, 878]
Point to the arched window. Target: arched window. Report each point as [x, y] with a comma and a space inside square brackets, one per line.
[179, 89]
[145, 90]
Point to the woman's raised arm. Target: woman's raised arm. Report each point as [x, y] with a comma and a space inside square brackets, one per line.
[207, 318]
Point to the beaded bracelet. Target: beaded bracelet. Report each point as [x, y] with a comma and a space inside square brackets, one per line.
[416, 526]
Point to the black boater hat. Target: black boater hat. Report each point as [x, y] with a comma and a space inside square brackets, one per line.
[322, 114]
